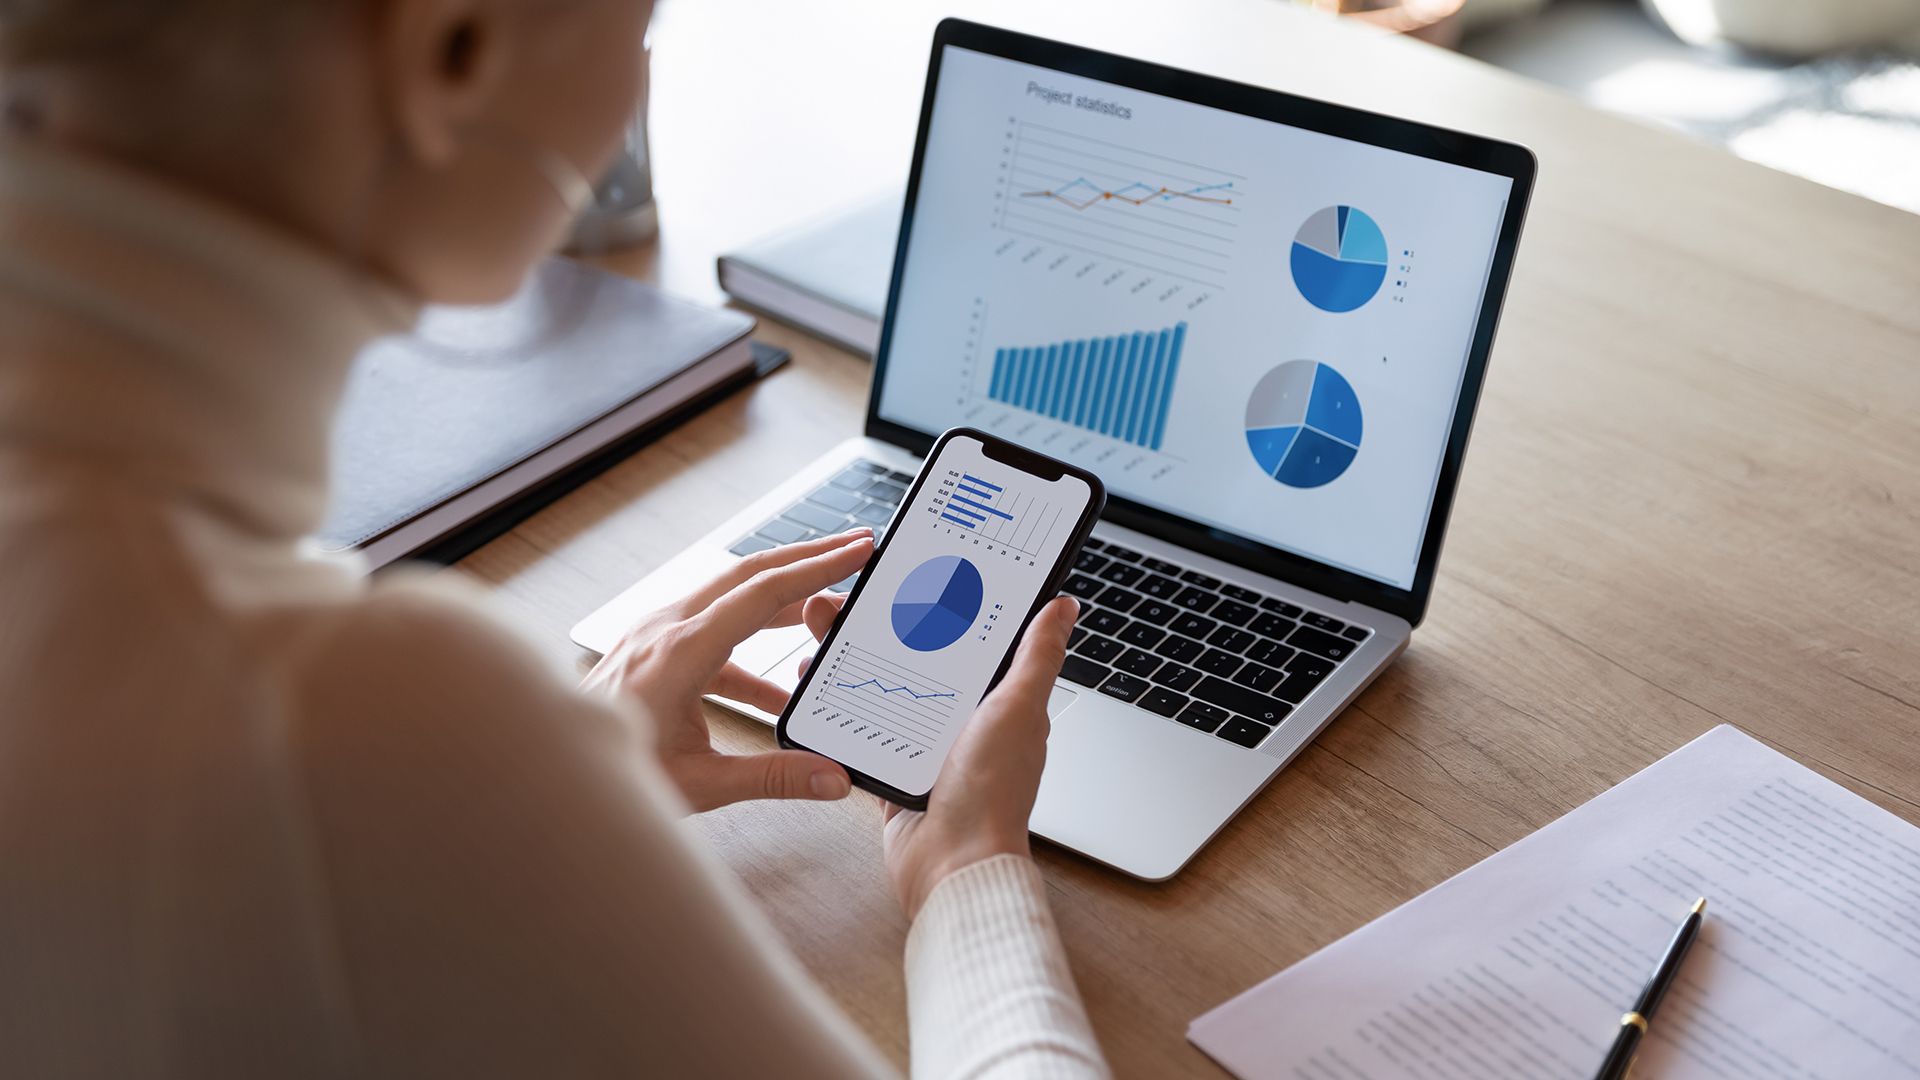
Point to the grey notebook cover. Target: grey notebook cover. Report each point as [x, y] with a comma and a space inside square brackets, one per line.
[476, 391]
[845, 259]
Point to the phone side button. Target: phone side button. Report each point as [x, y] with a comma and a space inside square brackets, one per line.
[1123, 686]
[1084, 671]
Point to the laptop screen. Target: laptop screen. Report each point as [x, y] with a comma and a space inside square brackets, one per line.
[1256, 327]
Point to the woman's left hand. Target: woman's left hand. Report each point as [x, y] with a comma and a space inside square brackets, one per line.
[681, 652]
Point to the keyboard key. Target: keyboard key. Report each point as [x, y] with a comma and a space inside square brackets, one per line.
[846, 502]
[1271, 625]
[1185, 650]
[1245, 732]
[1175, 677]
[818, 518]
[1079, 635]
[1242, 700]
[1215, 662]
[1084, 671]
[1356, 633]
[1302, 678]
[1193, 626]
[1233, 612]
[869, 467]
[1195, 599]
[1161, 700]
[1123, 686]
[1244, 595]
[1307, 663]
[1257, 677]
[886, 491]
[1160, 566]
[1123, 554]
[1270, 653]
[1155, 612]
[1233, 641]
[1195, 577]
[750, 544]
[1117, 598]
[1101, 621]
[1081, 586]
[1089, 563]
[874, 514]
[1203, 716]
[1273, 603]
[1121, 573]
[1163, 587]
[904, 479]
[1142, 635]
[1319, 641]
[1101, 649]
[1325, 622]
[780, 531]
[1094, 545]
[845, 584]
[1143, 664]
[852, 478]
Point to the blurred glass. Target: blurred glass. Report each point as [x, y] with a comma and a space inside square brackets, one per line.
[623, 213]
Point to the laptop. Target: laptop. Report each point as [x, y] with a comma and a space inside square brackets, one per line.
[1263, 320]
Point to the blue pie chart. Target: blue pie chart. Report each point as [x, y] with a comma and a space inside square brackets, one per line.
[1339, 259]
[937, 603]
[1304, 424]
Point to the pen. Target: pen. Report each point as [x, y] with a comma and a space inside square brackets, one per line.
[1633, 1026]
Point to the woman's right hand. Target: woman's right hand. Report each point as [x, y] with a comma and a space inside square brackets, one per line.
[983, 796]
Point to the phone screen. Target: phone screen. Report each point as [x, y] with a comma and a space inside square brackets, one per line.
[938, 612]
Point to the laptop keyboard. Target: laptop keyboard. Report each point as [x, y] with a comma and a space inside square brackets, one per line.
[1209, 654]
[863, 493]
[1212, 655]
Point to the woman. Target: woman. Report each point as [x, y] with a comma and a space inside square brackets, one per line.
[258, 818]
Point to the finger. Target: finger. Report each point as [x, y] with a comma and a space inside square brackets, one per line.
[760, 562]
[821, 609]
[782, 774]
[738, 614]
[739, 684]
[1043, 648]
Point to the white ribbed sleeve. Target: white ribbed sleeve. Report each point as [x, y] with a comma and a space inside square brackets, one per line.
[989, 994]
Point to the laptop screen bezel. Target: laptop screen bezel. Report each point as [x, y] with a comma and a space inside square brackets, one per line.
[1512, 161]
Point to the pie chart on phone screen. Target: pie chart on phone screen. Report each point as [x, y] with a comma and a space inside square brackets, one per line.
[937, 603]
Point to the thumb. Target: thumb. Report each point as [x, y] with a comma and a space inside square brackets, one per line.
[1043, 648]
[781, 774]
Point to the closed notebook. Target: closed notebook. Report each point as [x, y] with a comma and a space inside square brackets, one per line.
[480, 405]
[828, 276]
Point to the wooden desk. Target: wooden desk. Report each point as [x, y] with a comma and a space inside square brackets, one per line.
[1694, 495]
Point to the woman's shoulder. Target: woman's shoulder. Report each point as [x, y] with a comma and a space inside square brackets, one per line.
[425, 657]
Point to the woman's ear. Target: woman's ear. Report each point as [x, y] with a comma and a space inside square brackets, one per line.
[441, 62]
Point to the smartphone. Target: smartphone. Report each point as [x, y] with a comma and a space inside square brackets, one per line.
[980, 544]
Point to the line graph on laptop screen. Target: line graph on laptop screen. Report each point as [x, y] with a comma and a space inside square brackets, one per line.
[1107, 275]
[1125, 205]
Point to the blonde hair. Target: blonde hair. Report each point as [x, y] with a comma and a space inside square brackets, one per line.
[160, 71]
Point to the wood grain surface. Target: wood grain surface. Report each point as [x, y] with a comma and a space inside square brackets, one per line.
[1693, 495]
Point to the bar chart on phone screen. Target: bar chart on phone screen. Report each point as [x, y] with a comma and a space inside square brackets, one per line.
[994, 514]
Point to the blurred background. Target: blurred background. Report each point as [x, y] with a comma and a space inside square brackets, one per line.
[1825, 89]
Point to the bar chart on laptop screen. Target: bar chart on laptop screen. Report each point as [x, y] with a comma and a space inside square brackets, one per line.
[994, 512]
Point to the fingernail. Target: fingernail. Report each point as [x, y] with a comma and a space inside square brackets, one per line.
[829, 784]
[858, 530]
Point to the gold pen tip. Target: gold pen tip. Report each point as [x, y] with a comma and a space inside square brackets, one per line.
[1700, 905]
